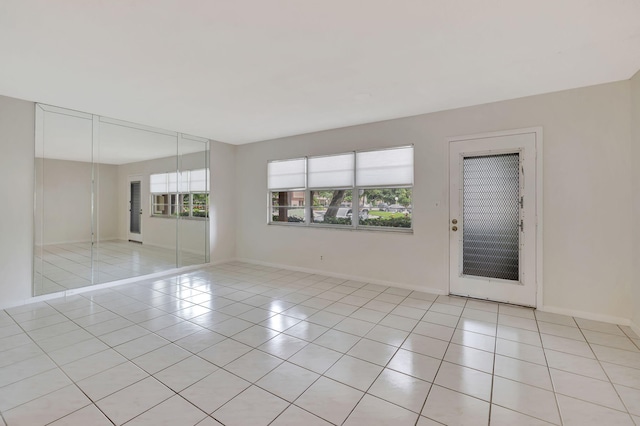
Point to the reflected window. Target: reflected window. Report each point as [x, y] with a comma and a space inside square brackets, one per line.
[191, 202]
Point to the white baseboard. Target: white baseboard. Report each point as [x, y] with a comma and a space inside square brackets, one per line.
[345, 276]
[586, 315]
[74, 291]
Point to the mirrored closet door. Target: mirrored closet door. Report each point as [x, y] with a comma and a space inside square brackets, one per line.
[115, 200]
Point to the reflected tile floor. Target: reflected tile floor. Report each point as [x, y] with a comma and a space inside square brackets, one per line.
[240, 344]
[60, 267]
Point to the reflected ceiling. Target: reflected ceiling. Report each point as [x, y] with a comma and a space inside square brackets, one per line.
[69, 137]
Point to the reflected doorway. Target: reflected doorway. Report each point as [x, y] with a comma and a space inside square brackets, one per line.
[135, 210]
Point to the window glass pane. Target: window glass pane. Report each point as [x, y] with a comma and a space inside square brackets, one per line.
[334, 171]
[175, 207]
[160, 204]
[287, 206]
[287, 174]
[388, 207]
[385, 167]
[200, 205]
[332, 207]
[185, 209]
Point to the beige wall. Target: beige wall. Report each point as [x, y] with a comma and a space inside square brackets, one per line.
[223, 202]
[587, 168]
[635, 219]
[17, 131]
[65, 191]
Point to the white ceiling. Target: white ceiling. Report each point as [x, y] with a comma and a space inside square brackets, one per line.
[248, 70]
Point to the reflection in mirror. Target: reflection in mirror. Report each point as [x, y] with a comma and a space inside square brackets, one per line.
[193, 200]
[63, 173]
[131, 244]
[110, 200]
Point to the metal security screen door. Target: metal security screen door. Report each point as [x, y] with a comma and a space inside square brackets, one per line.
[491, 216]
[492, 225]
[135, 211]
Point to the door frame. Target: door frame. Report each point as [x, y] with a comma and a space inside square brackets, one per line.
[537, 131]
[130, 179]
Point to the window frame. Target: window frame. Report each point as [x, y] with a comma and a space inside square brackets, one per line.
[175, 200]
[355, 199]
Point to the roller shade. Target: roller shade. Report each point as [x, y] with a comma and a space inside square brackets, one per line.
[199, 180]
[332, 171]
[287, 174]
[158, 183]
[385, 167]
[172, 179]
[183, 185]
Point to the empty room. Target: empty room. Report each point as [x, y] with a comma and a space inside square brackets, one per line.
[320, 213]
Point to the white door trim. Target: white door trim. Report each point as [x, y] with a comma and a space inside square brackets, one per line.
[539, 195]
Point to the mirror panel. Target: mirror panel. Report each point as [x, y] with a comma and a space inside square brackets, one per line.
[193, 200]
[64, 225]
[109, 202]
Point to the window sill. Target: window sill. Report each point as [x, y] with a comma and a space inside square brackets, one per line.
[181, 217]
[408, 231]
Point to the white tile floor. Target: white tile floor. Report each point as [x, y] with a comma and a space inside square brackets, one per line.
[60, 267]
[240, 344]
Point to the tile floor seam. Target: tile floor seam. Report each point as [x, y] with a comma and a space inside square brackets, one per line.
[437, 370]
[607, 375]
[553, 386]
[113, 301]
[385, 366]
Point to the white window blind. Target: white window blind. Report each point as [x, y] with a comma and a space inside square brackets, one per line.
[173, 182]
[287, 174]
[199, 180]
[385, 167]
[332, 171]
[190, 181]
[183, 185]
[158, 183]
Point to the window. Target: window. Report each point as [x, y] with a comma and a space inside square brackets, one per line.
[385, 181]
[287, 206]
[331, 207]
[287, 181]
[327, 190]
[185, 193]
[331, 180]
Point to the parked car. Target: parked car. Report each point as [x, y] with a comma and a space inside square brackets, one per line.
[383, 207]
[347, 213]
[396, 208]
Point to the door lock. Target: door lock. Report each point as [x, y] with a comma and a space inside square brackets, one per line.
[454, 221]
[454, 228]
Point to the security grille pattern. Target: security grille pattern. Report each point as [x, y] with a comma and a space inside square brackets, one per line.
[134, 223]
[491, 216]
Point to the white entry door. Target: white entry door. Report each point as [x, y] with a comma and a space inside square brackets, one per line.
[135, 209]
[492, 223]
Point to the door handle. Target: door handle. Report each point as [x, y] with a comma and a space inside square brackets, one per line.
[454, 228]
